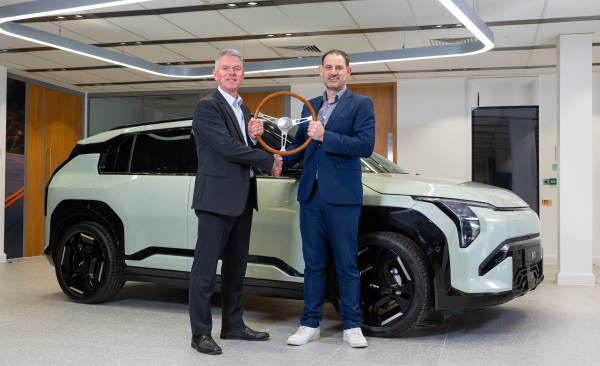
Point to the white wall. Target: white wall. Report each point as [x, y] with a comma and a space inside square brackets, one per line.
[596, 164]
[434, 132]
[306, 91]
[548, 135]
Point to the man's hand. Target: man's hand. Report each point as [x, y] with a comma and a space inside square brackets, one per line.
[277, 165]
[255, 128]
[316, 130]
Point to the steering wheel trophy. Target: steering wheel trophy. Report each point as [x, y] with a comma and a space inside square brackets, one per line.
[284, 124]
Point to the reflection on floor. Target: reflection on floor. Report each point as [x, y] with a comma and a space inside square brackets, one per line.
[148, 325]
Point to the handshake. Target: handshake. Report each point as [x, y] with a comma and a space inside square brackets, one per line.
[255, 128]
[277, 165]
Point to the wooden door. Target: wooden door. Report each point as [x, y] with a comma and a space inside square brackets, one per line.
[384, 103]
[53, 128]
[274, 107]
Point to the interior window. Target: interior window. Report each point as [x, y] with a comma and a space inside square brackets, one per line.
[167, 152]
[156, 152]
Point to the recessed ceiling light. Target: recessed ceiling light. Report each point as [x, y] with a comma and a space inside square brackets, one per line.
[252, 4]
[231, 5]
[78, 16]
[60, 17]
[289, 34]
[270, 35]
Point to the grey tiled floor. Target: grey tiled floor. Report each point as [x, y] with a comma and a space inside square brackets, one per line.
[148, 325]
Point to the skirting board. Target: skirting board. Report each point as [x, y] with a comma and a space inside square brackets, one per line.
[553, 259]
[586, 279]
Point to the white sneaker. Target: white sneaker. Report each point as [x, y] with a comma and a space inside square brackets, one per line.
[304, 335]
[355, 338]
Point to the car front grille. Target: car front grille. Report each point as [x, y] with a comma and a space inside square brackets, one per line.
[527, 278]
[527, 262]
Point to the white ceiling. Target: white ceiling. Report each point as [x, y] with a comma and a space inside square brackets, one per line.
[525, 37]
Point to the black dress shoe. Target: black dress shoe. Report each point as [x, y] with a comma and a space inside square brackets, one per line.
[245, 333]
[205, 344]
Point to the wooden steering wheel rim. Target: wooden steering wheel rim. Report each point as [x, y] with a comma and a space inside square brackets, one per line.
[310, 108]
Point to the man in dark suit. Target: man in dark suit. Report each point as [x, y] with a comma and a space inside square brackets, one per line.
[330, 195]
[224, 197]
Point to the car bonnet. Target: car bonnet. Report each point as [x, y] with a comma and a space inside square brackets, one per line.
[416, 185]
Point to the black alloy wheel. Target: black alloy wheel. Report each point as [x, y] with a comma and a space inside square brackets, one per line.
[396, 284]
[86, 263]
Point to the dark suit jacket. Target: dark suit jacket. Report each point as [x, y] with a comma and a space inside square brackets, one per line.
[349, 135]
[223, 177]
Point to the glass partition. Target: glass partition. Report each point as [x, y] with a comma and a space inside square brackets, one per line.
[106, 113]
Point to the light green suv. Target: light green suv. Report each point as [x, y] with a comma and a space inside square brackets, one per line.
[119, 210]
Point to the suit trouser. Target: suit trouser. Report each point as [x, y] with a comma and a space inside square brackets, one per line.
[228, 238]
[324, 226]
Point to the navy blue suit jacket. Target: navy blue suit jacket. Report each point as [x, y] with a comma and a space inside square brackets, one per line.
[349, 135]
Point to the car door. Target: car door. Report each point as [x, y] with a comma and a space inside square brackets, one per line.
[150, 195]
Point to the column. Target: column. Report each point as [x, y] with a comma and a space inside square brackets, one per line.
[575, 163]
[3, 83]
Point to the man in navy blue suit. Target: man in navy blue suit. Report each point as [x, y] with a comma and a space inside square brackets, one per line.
[330, 195]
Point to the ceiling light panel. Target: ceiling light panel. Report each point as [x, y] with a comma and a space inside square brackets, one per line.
[194, 51]
[151, 27]
[331, 16]
[383, 13]
[493, 11]
[205, 24]
[152, 53]
[516, 35]
[32, 61]
[57, 28]
[68, 59]
[394, 40]
[561, 9]
[161, 4]
[121, 75]
[458, 8]
[101, 31]
[250, 49]
[261, 20]
[429, 12]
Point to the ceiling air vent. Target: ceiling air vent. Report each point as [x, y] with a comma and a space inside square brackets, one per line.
[297, 51]
[450, 41]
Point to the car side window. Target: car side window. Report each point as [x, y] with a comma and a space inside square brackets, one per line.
[155, 152]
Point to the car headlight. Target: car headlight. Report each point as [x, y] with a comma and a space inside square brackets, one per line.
[467, 223]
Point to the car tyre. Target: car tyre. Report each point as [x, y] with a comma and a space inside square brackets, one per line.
[87, 263]
[396, 284]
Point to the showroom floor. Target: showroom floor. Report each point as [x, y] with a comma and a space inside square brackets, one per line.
[148, 325]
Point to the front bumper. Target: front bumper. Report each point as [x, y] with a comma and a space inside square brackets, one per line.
[528, 272]
[527, 262]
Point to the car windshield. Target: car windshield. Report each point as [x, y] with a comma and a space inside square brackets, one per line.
[378, 164]
[373, 164]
